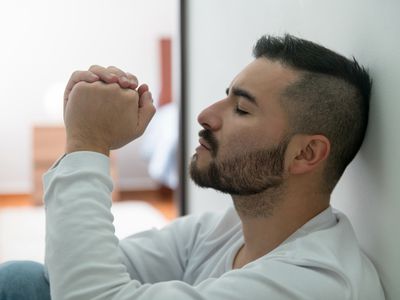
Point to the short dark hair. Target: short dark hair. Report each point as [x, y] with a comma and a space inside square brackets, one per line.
[330, 98]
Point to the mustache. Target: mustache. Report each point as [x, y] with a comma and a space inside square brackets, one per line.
[208, 136]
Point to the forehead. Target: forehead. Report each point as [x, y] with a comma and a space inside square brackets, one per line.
[265, 80]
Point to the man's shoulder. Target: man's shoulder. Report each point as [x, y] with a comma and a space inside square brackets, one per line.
[327, 250]
[328, 239]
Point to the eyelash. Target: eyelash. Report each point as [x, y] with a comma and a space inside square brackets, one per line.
[240, 112]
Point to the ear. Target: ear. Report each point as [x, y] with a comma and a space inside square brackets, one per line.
[308, 152]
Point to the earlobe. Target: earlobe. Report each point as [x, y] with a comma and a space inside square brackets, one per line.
[311, 152]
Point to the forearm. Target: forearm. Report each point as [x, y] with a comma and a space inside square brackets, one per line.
[81, 248]
[82, 254]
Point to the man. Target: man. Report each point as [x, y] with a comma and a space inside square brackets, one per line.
[291, 122]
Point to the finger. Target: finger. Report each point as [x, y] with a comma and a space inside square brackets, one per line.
[146, 112]
[123, 79]
[105, 75]
[143, 88]
[76, 77]
[133, 80]
[116, 71]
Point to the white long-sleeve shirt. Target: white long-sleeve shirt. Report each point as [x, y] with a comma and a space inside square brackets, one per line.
[192, 257]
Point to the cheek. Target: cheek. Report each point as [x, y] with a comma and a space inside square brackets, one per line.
[238, 143]
[244, 141]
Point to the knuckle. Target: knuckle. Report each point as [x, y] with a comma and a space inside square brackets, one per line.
[108, 88]
[76, 74]
[113, 87]
[94, 67]
[86, 88]
[131, 93]
[130, 75]
[116, 70]
[79, 87]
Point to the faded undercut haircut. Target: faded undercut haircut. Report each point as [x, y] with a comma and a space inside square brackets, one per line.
[331, 97]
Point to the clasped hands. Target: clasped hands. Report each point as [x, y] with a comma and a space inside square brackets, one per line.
[105, 109]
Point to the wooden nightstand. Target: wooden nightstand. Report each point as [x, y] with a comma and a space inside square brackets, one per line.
[48, 146]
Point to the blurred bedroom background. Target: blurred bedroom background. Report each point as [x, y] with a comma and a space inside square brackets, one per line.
[43, 42]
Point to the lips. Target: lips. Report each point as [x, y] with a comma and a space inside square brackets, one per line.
[208, 142]
[204, 144]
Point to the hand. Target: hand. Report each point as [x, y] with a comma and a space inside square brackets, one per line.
[100, 117]
[110, 74]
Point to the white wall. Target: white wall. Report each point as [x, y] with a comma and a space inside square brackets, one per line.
[43, 41]
[220, 38]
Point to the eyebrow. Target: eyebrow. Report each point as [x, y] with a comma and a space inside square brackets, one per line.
[242, 93]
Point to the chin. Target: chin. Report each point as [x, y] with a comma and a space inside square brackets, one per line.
[199, 162]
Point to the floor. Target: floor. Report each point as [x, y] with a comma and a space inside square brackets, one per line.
[162, 200]
[22, 223]
[22, 229]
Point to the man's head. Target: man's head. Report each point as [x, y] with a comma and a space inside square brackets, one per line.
[297, 109]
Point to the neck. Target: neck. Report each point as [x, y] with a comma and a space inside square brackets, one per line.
[270, 218]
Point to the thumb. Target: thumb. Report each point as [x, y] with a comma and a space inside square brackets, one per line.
[146, 111]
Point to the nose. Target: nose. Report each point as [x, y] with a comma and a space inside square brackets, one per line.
[211, 117]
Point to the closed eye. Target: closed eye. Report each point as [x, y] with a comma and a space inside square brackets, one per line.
[239, 93]
[240, 112]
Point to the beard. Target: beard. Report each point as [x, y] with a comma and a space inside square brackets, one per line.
[245, 174]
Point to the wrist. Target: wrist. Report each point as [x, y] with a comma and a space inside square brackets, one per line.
[78, 145]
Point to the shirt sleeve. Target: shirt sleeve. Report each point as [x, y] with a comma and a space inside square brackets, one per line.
[159, 254]
[85, 260]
